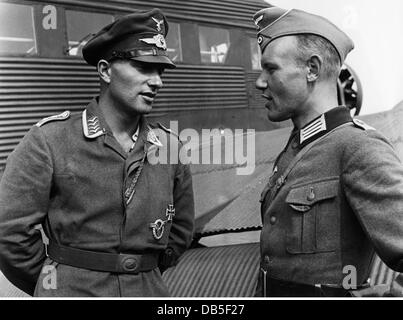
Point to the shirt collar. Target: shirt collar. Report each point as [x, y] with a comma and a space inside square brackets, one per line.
[323, 124]
[135, 136]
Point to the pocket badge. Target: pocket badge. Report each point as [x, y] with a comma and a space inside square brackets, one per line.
[158, 227]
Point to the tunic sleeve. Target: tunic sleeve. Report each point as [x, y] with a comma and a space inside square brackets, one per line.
[181, 233]
[372, 179]
[24, 197]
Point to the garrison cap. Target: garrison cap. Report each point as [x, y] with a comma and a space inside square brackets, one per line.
[138, 36]
[275, 22]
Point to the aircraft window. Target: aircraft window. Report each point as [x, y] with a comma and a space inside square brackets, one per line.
[255, 54]
[174, 42]
[17, 34]
[214, 44]
[81, 26]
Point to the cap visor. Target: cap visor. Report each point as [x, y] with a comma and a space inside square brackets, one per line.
[157, 60]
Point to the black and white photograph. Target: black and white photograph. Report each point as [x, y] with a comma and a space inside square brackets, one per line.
[177, 150]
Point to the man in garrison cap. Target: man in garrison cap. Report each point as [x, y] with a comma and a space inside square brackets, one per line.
[335, 195]
[114, 218]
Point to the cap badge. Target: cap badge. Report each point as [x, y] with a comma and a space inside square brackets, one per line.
[158, 22]
[258, 20]
[158, 40]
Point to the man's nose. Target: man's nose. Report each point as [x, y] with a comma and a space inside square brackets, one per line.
[155, 81]
[261, 82]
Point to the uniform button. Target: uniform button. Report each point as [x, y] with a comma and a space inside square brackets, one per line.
[311, 196]
[273, 220]
[129, 264]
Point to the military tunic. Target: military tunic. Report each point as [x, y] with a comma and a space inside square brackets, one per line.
[342, 199]
[74, 178]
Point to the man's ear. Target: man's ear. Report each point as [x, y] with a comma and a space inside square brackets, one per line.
[104, 70]
[314, 65]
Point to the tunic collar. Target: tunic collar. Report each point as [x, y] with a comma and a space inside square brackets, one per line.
[323, 124]
[94, 125]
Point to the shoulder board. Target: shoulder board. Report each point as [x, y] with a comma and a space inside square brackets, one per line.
[167, 129]
[362, 125]
[63, 116]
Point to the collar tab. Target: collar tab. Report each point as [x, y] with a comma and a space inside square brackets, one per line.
[91, 126]
[311, 130]
[324, 124]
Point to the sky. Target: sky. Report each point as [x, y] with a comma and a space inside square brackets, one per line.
[376, 28]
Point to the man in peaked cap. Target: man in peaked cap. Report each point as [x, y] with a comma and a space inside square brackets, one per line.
[336, 191]
[113, 218]
[138, 36]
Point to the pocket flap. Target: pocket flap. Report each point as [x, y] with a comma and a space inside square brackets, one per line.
[311, 193]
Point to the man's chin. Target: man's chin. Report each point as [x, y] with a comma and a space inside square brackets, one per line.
[144, 112]
[275, 118]
[144, 109]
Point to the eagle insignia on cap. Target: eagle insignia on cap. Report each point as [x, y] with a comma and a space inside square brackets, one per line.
[158, 22]
[158, 41]
[260, 18]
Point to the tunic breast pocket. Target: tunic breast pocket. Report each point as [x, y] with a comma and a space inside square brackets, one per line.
[314, 217]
